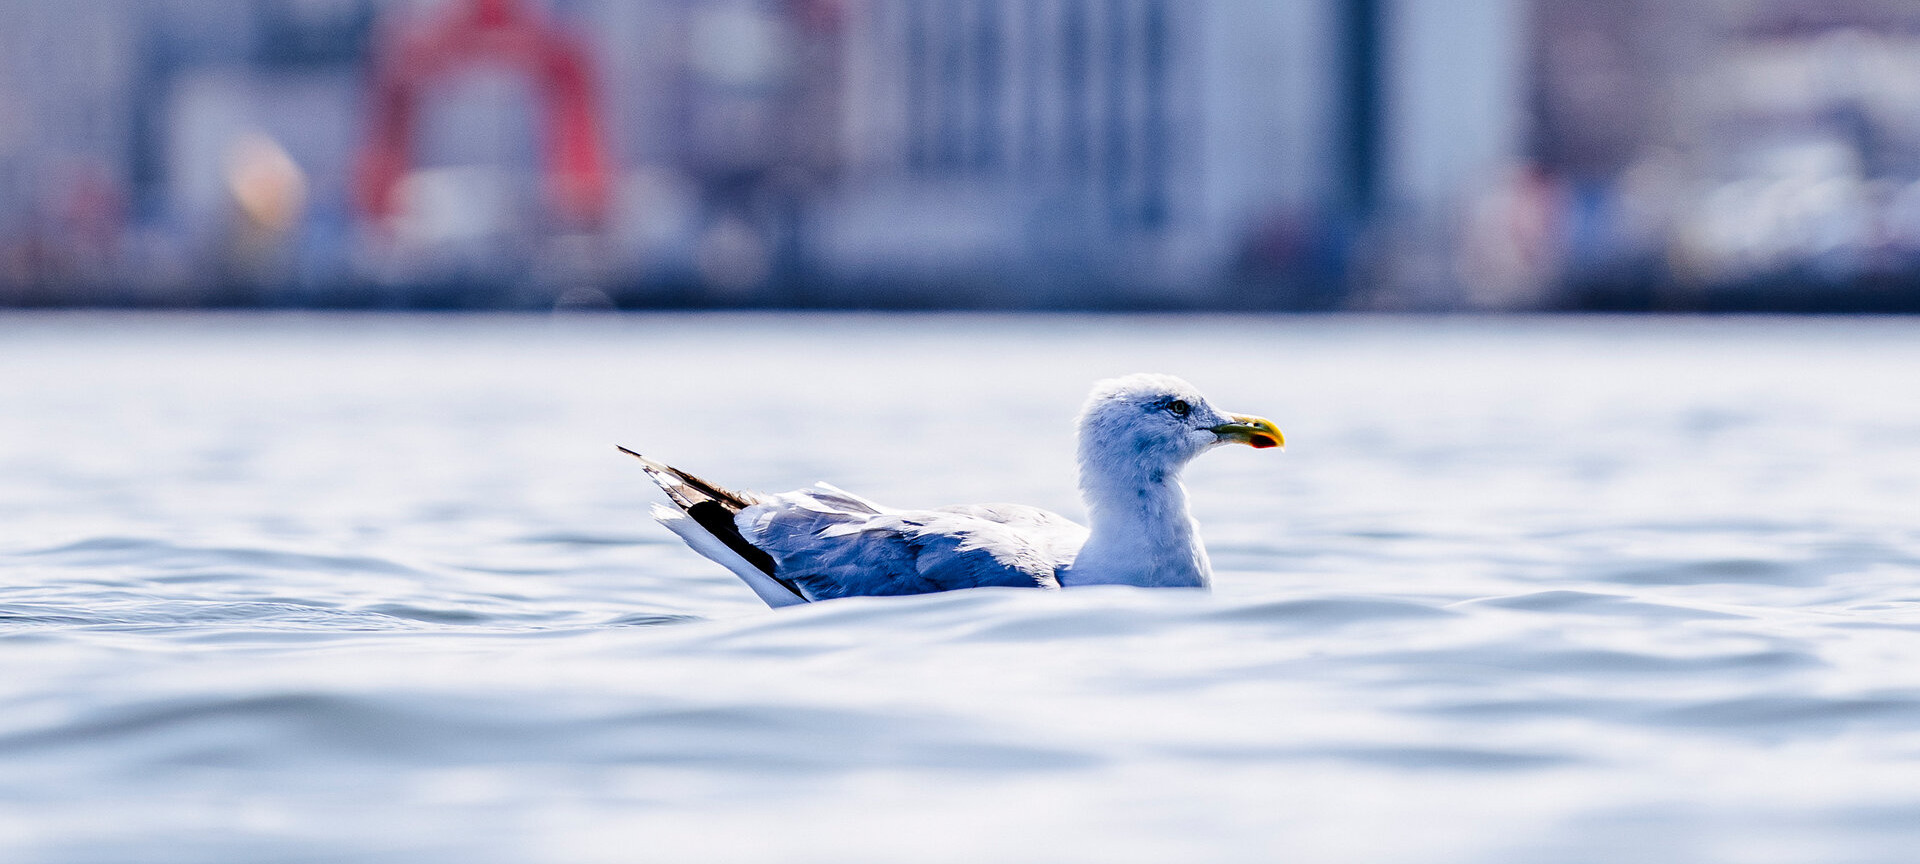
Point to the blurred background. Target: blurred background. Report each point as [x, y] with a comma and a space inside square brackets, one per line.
[1156, 154]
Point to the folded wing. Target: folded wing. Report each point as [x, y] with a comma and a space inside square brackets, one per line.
[831, 543]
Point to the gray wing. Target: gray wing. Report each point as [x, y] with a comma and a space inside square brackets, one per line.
[835, 544]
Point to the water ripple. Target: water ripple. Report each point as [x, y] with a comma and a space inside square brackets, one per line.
[109, 551]
[378, 590]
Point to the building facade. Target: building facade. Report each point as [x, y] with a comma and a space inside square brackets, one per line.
[868, 152]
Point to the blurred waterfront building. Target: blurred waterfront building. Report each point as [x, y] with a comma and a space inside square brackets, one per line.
[1385, 154]
[899, 152]
[1731, 155]
[1058, 150]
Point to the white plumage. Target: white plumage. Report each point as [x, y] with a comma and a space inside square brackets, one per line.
[1135, 435]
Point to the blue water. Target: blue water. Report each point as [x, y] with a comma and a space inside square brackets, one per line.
[300, 589]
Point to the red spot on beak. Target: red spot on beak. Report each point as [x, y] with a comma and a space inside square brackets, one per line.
[1262, 442]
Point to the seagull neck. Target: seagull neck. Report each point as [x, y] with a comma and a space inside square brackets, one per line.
[1141, 533]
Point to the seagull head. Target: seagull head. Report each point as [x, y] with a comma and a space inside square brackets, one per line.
[1157, 423]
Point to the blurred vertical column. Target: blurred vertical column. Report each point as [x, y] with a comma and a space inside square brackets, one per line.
[1288, 144]
[1360, 28]
[1604, 140]
[1454, 95]
[759, 96]
[65, 72]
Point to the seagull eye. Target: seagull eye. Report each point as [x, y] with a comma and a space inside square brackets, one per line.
[1179, 407]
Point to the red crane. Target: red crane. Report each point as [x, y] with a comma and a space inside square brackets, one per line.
[492, 32]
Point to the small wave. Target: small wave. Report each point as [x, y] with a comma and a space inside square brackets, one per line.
[1592, 662]
[1723, 571]
[1332, 611]
[254, 729]
[648, 619]
[1767, 717]
[109, 551]
[562, 538]
[1407, 757]
[11, 619]
[1451, 758]
[430, 615]
[157, 614]
[1531, 709]
[1792, 715]
[1589, 603]
[760, 737]
[280, 730]
[1069, 625]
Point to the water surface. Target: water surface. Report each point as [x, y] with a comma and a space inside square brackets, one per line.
[380, 589]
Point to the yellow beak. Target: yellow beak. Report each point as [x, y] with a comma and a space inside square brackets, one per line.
[1256, 432]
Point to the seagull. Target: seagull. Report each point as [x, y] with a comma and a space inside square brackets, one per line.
[1135, 435]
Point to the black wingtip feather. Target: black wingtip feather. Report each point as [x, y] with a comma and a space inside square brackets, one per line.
[671, 478]
[717, 518]
[712, 508]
